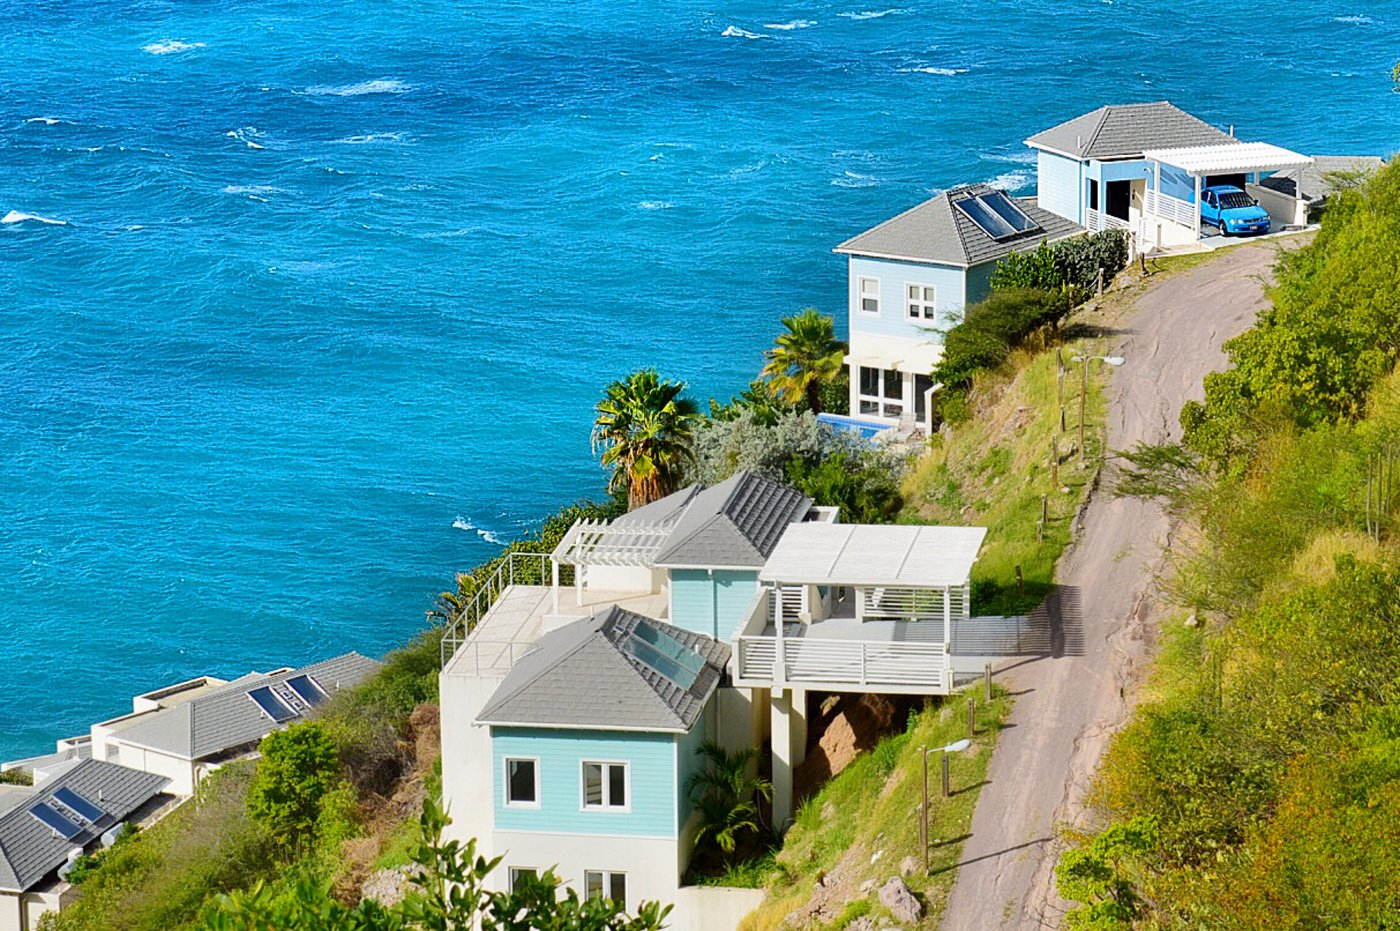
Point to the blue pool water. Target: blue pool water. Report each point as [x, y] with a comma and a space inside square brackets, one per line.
[333, 286]
[866, 428]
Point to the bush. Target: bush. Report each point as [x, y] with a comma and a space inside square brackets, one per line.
[991, 328]
[864, 485]
[16, 777]
[297, 770]
[1069, 264]
[747, 443]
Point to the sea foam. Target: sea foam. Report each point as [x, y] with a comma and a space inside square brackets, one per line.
[931, 69]
[734, 32]
[794, 24]
[15, 216]
[170, 47]
[382, 86]
[490, 536]
[874, 14]
[1011, 180]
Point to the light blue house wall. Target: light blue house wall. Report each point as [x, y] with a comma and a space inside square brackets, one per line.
[1134, 170]
[1059, 185]
[688, 761]
[1177, 183]
[712, 603]
[652, 775]
[895, 277]
[979, 281]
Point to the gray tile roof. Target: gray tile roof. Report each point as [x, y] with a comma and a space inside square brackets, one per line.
[936, 231]
[581, 676]
[225, 717]
[30, 849]
[662, 510]
[734, 524]
[1128, 130]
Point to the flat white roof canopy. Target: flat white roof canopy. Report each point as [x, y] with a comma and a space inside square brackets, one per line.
[874, 554]
[1229, 158]
[897, 354]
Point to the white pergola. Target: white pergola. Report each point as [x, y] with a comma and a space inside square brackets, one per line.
[620, 543]
[1201, 161]
[893, 568]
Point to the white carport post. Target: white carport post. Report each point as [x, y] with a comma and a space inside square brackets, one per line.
[1157, 205]
[948, 615]
[554, 565]
[780, 739]
[1197, 205]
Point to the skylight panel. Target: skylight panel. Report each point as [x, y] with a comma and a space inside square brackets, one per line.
[1005, 208]
[987, 221]
[271, 705]
[670, 646]
[85, 809]
[308, 688]
[50, 816]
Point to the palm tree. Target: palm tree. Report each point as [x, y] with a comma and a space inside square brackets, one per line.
[726, 795]
[804, 357]
[644, 428]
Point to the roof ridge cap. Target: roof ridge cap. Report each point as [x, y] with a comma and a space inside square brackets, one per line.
[1088, 145]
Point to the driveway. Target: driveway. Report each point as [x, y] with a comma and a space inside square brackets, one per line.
[1068, 706]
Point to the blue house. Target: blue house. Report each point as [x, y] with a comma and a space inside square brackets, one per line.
[910, 278]
[593, 736]
[1141, 168]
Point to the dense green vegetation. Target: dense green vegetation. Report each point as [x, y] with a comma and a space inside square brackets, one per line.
[806, 356]
[1258, 786]
[643, 429]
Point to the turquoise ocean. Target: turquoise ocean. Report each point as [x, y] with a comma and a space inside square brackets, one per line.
[306, 305]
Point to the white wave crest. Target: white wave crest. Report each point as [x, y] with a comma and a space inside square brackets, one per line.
[170, 47]
[930, 69]
[371, 138]
[794, 24]
[855, 179]
[1356, 19]
[15, 216]
[490, 536]
[1010, 158]
[382, 86]
[734, 32]
[46, 120]
[875, 14]
[1011, 180]
[656, 205]
[247, 135]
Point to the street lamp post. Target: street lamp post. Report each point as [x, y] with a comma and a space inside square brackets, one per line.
[956, 746]
[1114, 361]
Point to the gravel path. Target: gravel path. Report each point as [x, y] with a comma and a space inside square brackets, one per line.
[1069, 705]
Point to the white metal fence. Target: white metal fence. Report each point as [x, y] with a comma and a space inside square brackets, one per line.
[515, 569]
[835, 663]
[914, 603]
[1171, 209]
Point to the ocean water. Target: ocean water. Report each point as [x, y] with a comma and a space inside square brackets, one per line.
[307, 304]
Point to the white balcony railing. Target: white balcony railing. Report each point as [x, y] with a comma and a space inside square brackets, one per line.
[815, 662]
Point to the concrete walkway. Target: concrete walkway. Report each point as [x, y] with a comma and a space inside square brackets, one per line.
[1068, 705]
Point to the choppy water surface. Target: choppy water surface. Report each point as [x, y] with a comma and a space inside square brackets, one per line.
[307, 304]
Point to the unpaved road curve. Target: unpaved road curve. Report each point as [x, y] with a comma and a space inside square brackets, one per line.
[1067, 706]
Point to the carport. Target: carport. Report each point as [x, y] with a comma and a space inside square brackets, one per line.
[1172, 206]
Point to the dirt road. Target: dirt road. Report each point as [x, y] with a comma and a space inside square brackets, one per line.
[1069, 705]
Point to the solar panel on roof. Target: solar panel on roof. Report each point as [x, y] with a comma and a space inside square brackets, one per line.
[82, 806]
[665, 654]
[670, 646]
[271, 705]
[1006, 208]
[308, 688]
[65, 826]
[987, 221]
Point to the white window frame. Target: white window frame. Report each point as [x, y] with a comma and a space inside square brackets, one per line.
[928, 307]
[515, 873]
[605, 878]
[505, 781]
[881, 401]
[860, 296]
[607, 785]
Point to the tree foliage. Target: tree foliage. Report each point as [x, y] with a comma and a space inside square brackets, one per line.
[448, 893]
[992, 327]
[297, 768]
[644, 429]
[1065, 265]
[806, 356]
[726, 793]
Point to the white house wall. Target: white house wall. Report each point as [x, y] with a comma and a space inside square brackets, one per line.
[623, 578]
[650, 863]
[466, 759]
[180, 772]
[1059, 183]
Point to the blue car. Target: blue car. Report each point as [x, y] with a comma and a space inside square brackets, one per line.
[1233, 211]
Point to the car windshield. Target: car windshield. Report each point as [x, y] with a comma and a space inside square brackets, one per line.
[1235, 199]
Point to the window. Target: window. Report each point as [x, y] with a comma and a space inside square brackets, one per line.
[523, 782]
[922, 303]
[869, 296]
[881, 392]
[604, 785]
[598, 884]
[518, 873]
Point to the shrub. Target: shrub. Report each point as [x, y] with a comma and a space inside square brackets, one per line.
[297, 769]
[747, 443]
[865, 485]
[991, 328]
[16, 777]
[1069, 264]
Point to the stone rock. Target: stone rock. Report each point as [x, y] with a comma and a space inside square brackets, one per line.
[1192, 621]
[896, 896]
[909, 865]
[388, 886]
[875, 857]
[868, 886]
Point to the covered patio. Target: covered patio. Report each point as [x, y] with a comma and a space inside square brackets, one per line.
[1172, 204]
[890, 379]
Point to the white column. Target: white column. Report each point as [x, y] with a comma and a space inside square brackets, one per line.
[1198, 206]
[780, 651]
[780, 739]
[799, 726]
[555, 568]
[948, 616]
